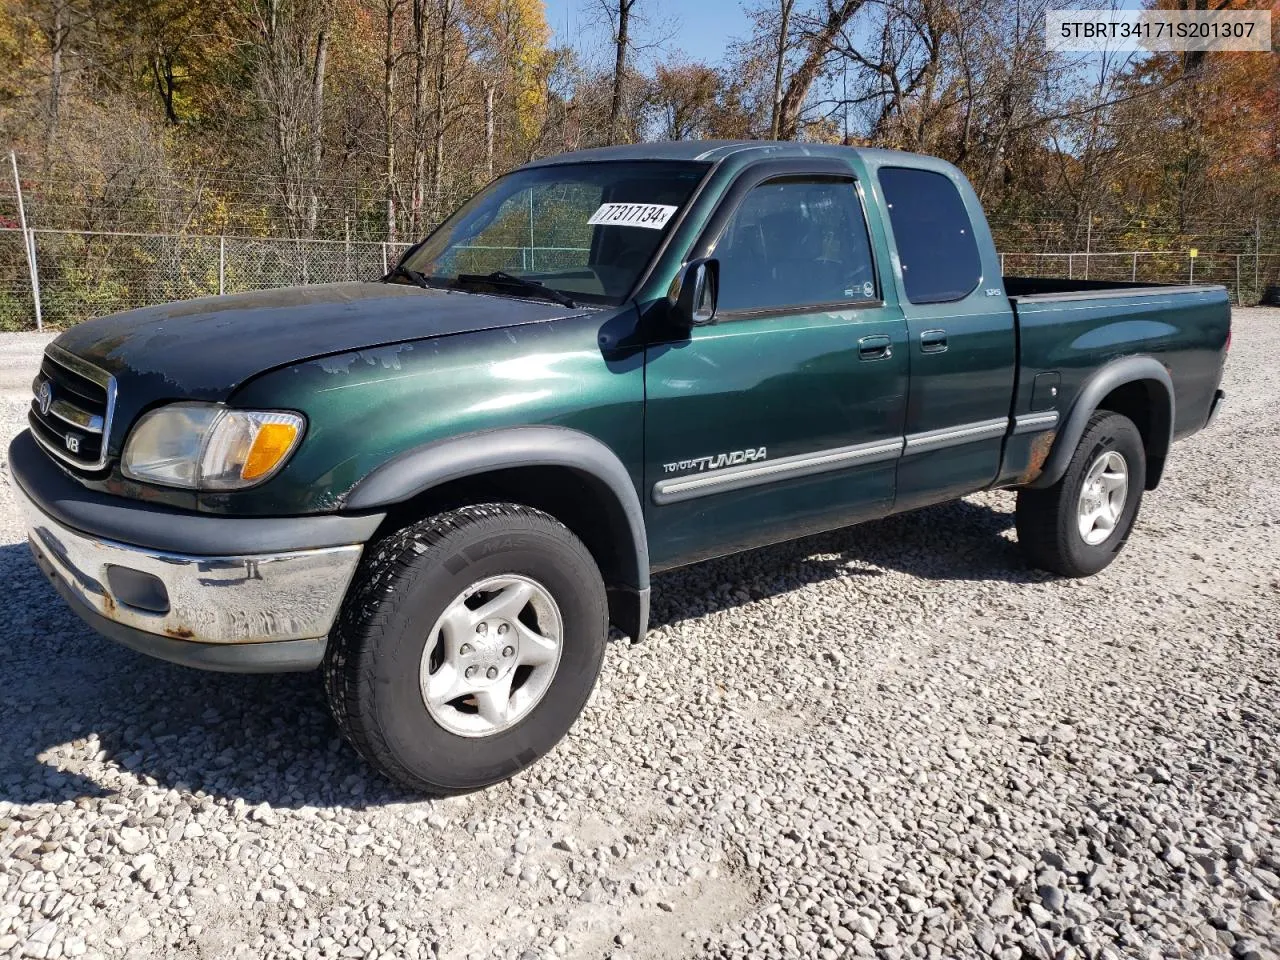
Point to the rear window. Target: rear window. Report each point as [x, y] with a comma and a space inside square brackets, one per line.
[940, 259]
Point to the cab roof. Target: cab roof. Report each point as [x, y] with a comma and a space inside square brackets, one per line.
[713, 150]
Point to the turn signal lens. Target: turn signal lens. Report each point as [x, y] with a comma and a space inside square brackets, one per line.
[247, 446]
[270, 446]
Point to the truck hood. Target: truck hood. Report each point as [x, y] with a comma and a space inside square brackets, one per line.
[203, 349]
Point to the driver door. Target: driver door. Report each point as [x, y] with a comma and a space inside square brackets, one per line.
[784, 416]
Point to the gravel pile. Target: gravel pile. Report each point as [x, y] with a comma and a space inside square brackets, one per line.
[894, 741]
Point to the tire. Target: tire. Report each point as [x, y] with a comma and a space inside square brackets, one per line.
[413, 580]
[1049, 521]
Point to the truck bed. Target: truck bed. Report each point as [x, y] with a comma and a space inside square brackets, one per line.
[1064, 288]
[1068, 329]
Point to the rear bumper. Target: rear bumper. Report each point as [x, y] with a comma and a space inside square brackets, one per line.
[242, 610]
[1218, 397]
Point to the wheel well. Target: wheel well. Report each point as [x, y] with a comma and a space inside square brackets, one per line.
[1147, 404]
[581, 502]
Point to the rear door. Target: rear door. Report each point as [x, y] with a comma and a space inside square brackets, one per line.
[785, 415]
[960, 327]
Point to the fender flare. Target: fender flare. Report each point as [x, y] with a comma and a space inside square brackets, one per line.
[1115, 374]
[420, 469]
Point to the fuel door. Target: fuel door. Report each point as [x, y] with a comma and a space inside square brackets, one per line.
[1044, 391]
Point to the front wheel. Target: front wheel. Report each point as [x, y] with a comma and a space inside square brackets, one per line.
[467, 647]
[1078, 526]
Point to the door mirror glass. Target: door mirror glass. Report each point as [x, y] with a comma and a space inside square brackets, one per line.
[699, 285]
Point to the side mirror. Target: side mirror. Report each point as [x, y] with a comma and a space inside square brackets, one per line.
[695, 304]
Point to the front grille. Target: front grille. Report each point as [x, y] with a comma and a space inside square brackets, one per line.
[71, 410]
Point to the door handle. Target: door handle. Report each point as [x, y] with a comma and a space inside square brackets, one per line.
[933, 341]
[879, 347]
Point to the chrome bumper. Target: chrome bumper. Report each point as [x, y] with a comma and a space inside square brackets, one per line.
[209, 600]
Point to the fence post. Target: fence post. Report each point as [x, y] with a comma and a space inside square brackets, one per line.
[1088, 245]
[222, 265]
[346, 245]
[34, 263]
[28, 242]
[1239, 294]
[1133, 276]
[1002, 264]
[1257, 256]
[385, 266]
[1191, 269]
[1071, 262]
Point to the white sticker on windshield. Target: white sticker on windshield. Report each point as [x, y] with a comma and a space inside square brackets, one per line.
[654, 216]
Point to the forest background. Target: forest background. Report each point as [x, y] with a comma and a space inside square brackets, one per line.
[169, 148]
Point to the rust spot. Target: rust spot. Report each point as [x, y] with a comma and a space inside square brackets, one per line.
[108, 602]
[1040, 448]
[179, 633]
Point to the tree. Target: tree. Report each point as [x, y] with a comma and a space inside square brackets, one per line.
[172, 46]
[296, 117]
[510, 39]
[780, 62]
[619, 12]
[289, 64]
[390, 62]
[684, 97]
[57, 24]
[818, 34]
[421, 61]
[447, 11]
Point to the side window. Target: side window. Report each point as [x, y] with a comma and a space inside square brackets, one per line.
[793, 243]
[940, 259]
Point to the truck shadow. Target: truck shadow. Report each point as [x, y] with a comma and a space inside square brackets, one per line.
[85, 718]
[961, 540]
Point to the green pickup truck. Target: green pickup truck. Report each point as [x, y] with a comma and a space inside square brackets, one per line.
[442, 487]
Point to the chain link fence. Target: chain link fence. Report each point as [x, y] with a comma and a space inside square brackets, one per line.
[17, 304]
[1247, 276]
[84, 274]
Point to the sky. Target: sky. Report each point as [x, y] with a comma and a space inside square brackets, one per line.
[702, 28]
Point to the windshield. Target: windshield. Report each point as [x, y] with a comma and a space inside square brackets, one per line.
[587, 230]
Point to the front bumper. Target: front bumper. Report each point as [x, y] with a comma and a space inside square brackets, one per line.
[237, 611]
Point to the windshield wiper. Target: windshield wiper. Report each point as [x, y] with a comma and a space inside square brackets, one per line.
[501, 278]
[413, 276]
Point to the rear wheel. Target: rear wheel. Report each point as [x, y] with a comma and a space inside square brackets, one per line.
[1079, 525]
[467, 647]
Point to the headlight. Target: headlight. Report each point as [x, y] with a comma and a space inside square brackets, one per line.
[209, 447]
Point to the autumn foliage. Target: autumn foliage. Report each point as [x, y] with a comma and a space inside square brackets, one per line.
[373, 118]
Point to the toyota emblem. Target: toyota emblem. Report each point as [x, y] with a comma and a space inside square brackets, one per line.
[44, 397]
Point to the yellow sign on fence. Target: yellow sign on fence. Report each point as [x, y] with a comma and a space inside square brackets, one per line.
[1195, 252]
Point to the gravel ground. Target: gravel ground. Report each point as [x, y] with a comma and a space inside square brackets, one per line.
[890, 741]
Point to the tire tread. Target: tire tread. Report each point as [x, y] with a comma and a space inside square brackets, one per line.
[349, 668]
[1045, 519]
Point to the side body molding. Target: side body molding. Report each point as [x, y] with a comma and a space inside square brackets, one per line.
[621, 516]
[1113, 375]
